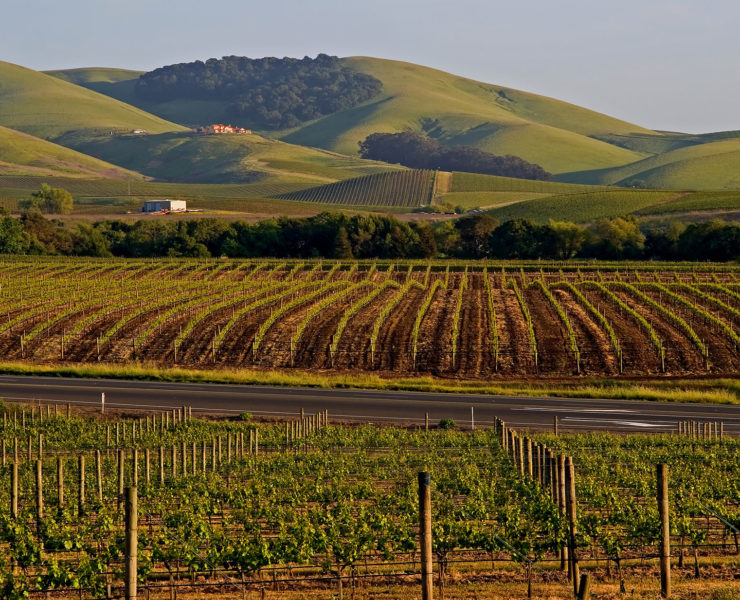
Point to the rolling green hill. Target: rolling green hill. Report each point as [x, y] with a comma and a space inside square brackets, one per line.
[554, 134]
[48, 107]
[90, 77]
[579, 145]
[188, 157]
[456, 110]
[120, 84]
[23, 154]
[711, 165]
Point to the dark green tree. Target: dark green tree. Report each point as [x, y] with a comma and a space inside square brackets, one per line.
[342, 246]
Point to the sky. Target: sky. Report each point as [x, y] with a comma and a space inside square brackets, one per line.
[663, 64]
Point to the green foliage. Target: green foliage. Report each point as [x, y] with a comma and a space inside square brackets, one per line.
[50, 200]
[421, 152]
[447, 424]
[266, 93]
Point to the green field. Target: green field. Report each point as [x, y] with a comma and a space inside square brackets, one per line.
[110, 197]
[696, 201]
[583, 207]
[471, 200]
[474, 182]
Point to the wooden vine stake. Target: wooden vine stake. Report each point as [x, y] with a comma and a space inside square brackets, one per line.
[132, 508]
[571, 506]
[665, 531]
[14, 490]
[425, 535]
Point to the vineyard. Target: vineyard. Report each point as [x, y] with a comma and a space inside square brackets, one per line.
[97, 505]
[452, 320]
[410, 188]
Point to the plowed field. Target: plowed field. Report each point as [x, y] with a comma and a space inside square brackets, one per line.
[633, 320]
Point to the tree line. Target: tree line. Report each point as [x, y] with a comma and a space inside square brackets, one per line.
[267, 93]
[337, 235]
[420, 152]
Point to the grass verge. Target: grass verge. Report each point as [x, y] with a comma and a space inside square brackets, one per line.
[713, 391]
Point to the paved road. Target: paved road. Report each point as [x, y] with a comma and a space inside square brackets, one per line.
[378, 406]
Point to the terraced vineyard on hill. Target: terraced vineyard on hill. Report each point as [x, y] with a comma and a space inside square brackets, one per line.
[461, 321]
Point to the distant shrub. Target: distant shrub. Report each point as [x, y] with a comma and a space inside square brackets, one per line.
[49, 200]
[420, 152]
[245, 416]
[447, 424]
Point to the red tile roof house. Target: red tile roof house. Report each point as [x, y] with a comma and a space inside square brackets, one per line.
[218, 128]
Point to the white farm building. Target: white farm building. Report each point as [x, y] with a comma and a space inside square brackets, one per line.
[153, 206]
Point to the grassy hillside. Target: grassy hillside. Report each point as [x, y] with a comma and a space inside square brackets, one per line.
[712, 165]
[23, 154]
[187, 157]
[48, 107]
[89, 77]
[579, 145]
[456, 110]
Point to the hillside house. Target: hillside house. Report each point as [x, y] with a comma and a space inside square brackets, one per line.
[164, 206]
[218, 128]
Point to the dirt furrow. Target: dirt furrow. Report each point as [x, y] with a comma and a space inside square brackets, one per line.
[723, 354]
[638, 354]
[434, 349]
[597, 354]
[474, 351]
[394, 339]
[515, 356]
[681, 355]
[353, 350]
[552, 339]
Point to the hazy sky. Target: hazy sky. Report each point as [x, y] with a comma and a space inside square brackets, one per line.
[664, 64]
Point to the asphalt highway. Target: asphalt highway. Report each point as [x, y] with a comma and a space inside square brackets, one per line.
[574, 414]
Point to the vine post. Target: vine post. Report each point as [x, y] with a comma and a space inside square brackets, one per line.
[60, 482]
[665, 531]
[81, 485]
[131, 517]
[571, 505]
[561, 505]
[14, 490]
[425, 535]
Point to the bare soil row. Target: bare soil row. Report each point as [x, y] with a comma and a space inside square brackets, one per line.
[489, 344]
